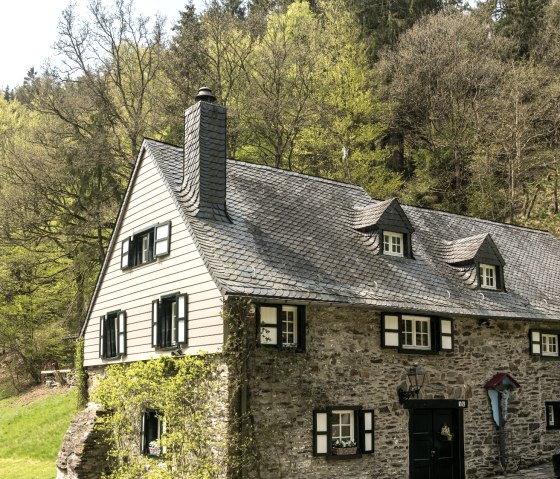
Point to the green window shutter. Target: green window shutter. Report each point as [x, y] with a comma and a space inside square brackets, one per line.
[126, 253]
[390, 331]
[162, 240]
[366, 431]
[269, 330]
[121, 334]
[535, 342]
[101, 337]
[445, 334]
[155, 317]
[181, 318]
[320, 433]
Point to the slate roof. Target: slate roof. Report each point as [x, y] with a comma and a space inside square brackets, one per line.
[465, 249]
[292, 238]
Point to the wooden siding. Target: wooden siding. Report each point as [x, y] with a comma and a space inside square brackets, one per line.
[133, 290]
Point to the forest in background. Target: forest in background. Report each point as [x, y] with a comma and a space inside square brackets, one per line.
[441, 104]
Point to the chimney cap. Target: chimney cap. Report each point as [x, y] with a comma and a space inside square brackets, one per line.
[205, 94]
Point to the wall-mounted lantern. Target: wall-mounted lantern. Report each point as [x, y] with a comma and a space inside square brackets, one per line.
[416, 376]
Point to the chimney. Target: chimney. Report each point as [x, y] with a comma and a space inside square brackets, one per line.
[204, 158]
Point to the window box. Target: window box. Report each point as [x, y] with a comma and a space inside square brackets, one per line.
[112, 335]
[170, 321]
[147, 245]
[416, 334]
[343, 432]
[281, 326]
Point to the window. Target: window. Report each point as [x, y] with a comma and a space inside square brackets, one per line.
[552, 415]
[487, 276]
[112, 335]
[416, 332]
[147, 245]
[393, 243]
[411, 333]
[349, 428]
[169, 321]
[152, 429]
[281, 326]
[544, 343]
[549, 344]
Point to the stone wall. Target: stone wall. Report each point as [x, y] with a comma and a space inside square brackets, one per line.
[344, 364]
[83, 454]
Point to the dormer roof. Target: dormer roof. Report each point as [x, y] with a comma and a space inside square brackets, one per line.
[386, 214]
[477, 248]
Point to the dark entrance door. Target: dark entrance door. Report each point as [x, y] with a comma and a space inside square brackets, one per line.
[434, 454]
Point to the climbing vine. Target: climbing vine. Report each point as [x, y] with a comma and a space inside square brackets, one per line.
[81, 375]
[185, 393]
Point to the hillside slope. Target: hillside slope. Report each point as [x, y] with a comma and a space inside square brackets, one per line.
[32, 426]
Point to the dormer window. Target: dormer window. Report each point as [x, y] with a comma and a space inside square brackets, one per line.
[487, 275]
[393, 243]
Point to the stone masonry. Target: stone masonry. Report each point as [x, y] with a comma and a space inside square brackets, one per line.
[344, 364]
[83, 454]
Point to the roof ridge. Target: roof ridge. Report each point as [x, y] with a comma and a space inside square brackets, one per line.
[494, 222]
[146, 139]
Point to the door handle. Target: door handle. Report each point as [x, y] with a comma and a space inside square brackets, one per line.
[433, 453]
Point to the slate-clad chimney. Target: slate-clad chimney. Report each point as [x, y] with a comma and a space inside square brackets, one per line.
[204, 161]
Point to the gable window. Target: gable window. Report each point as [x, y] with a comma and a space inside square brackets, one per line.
[112, 335]
[169, 321]
[544, 343]
[146, 245]
[487, 275]
[152, 429]
[412, 333]
[281, 326]
[552, 415]
[393, 243]
[343, 432]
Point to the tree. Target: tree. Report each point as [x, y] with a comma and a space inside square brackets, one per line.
[280, 78]
[439, 74]
[345, 141]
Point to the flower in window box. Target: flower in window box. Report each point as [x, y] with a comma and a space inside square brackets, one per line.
[154, 448]
[341, 447]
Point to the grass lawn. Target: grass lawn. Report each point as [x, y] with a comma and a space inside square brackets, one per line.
[32, 426]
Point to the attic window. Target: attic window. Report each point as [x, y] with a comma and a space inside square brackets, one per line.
[487, 275]
[146, 246]
[393, 243]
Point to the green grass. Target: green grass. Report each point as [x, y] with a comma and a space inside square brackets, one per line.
[31, 434]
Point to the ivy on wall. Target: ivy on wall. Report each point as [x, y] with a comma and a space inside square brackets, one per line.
[184, 391]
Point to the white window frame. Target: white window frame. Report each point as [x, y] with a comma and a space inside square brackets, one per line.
[488, 274]
[393, 243]
[549, 344]
[146, 257]
[339, 413]
[413, 320]
[288, 341]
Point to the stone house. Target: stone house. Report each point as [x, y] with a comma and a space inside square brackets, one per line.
[346, 293]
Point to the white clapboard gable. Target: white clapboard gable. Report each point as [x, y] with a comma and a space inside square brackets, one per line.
[149, 202]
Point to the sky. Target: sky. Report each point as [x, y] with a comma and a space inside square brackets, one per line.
[28, 30]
